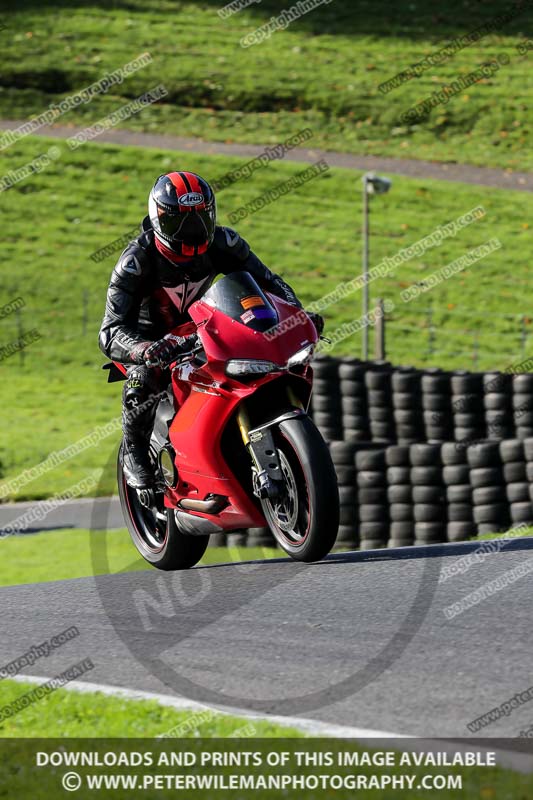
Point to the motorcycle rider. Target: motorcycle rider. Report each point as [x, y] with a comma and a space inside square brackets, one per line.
[173, 261]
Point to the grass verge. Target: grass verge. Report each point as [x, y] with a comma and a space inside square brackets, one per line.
[66, 713]
[64, 554]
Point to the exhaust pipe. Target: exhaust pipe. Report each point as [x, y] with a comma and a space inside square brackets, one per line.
[211, 505]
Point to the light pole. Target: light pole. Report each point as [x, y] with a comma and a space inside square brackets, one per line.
[372, 184]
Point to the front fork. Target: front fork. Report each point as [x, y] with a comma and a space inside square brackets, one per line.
[259, 441]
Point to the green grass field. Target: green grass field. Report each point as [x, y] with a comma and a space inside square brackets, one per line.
[323, 72]
[85, 199]
[71, 714]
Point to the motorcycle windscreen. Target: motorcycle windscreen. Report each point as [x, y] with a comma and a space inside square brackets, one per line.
[238, 296]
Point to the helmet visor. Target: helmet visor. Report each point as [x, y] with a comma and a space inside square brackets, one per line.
[190, 227]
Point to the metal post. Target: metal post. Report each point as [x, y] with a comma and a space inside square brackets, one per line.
[365, 266]
[431, 337]
[379, 344]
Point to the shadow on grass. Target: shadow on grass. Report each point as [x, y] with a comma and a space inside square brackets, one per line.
[411, 20]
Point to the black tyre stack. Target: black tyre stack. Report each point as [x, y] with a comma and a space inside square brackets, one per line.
[373, 509]
[456, 477]
[379, 399]
[399, 496]
[512, 454]
[528, 453]
[467, 406]
[237, 538]
[353, 400]
[407, 406]
[326, 398]
[498, 404]
[343, 456]
[436, 405]
[523, 405]
[429, 501]
[261, 537]
[491, 512]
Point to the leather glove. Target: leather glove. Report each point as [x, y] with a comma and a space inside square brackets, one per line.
[167, 349]
[317, 321]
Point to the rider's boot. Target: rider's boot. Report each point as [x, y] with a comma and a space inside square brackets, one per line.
[136, 463]
[137, 424]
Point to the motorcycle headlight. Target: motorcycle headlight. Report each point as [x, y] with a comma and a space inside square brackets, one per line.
[244, 366]
[302, 357]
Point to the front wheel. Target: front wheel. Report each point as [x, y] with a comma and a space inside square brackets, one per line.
[305, 518]
[154, 532]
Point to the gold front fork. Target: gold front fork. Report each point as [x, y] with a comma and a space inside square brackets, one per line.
[243, 421]
[293, 400]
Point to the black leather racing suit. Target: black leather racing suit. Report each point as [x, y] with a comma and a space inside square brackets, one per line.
[148, 296]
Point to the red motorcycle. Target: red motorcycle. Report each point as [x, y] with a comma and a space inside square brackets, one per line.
[232, 445]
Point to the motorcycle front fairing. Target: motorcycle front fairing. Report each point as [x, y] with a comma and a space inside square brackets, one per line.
[210, 397]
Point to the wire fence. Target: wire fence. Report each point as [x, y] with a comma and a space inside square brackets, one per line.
[461, 337]
[473, 338]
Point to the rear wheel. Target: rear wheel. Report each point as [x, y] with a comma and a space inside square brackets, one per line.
[154, 532]
[305, 518]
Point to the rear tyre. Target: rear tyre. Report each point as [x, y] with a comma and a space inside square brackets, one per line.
[154, 532]
[305, 520]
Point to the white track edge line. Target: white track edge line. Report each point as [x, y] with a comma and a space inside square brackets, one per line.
[520, 762]
[315, 727]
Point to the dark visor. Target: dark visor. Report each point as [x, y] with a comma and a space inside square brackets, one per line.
[191, 227]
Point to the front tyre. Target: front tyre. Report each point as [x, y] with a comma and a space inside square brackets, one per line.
[154, 532]
[305, 518]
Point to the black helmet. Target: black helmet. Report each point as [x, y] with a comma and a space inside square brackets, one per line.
[182, 210]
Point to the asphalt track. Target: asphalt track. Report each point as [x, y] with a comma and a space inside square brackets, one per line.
[80, 513]
[360, 639]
